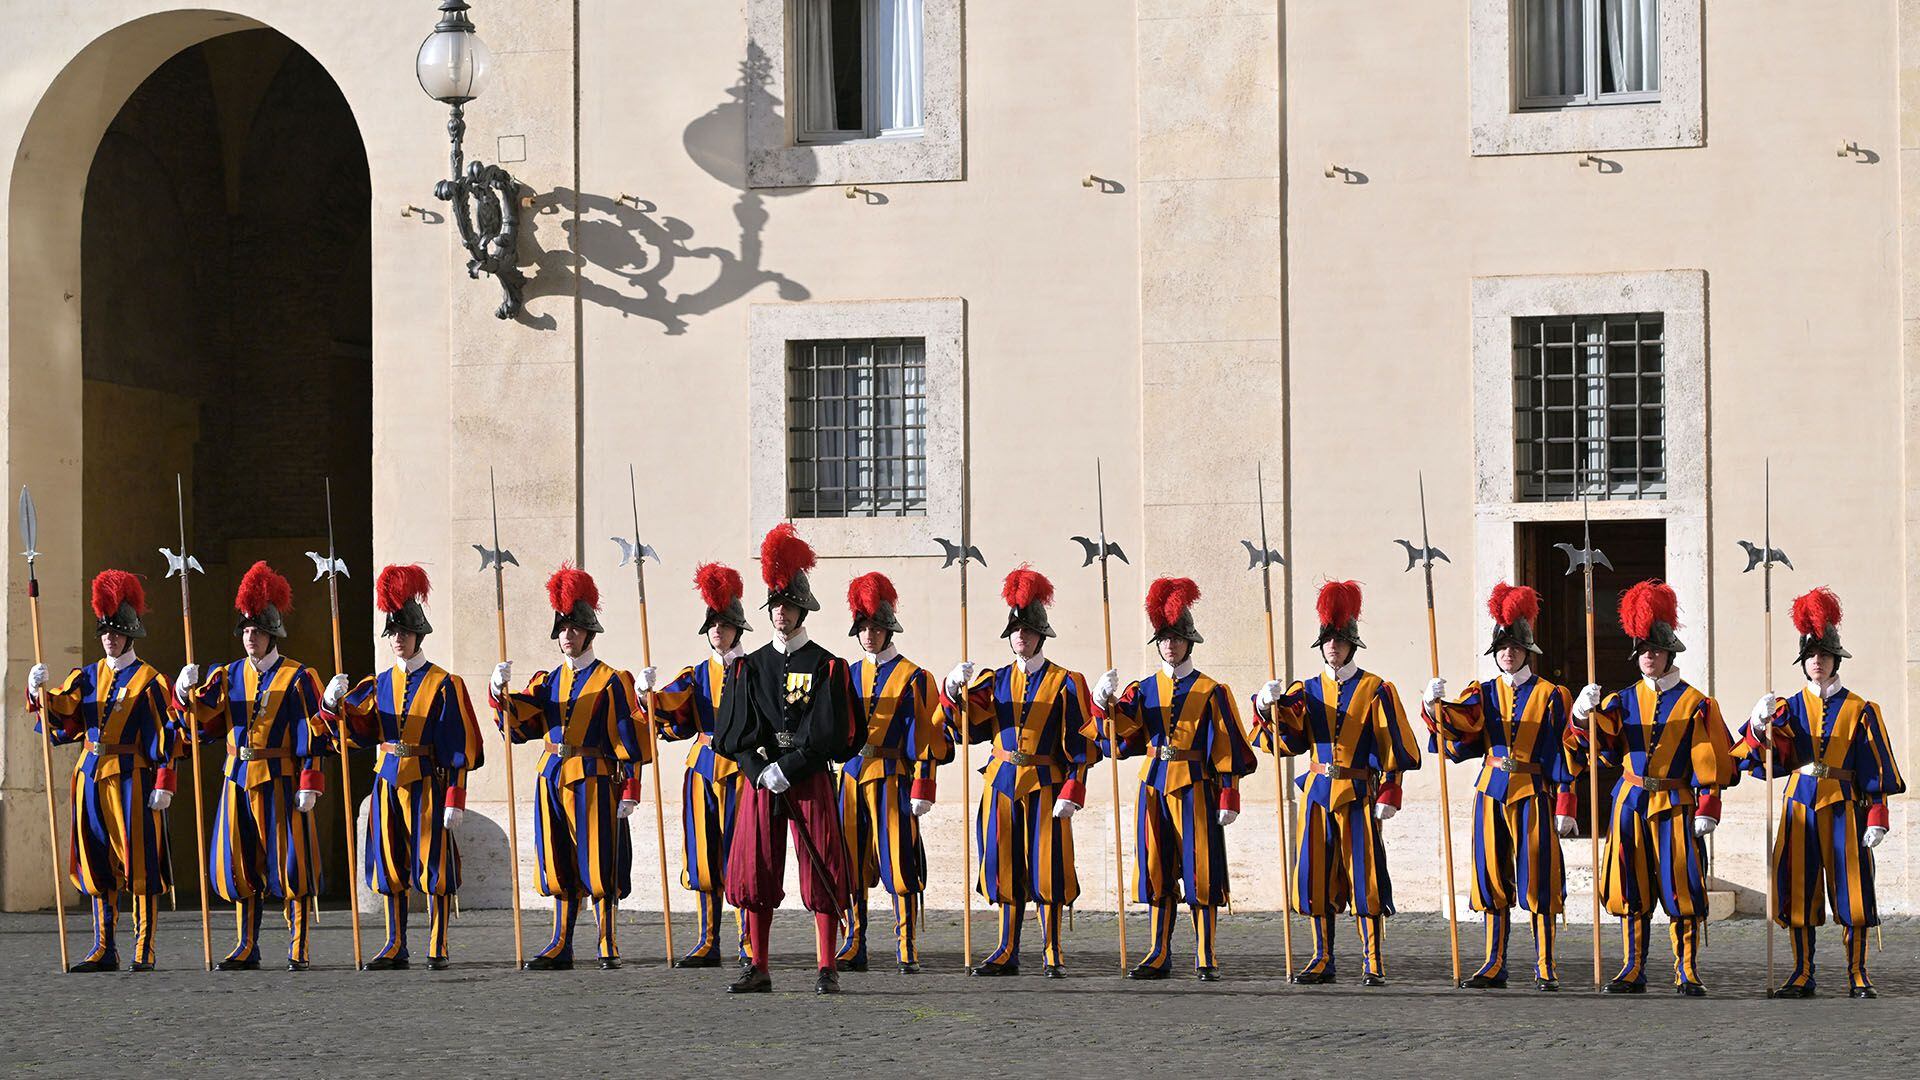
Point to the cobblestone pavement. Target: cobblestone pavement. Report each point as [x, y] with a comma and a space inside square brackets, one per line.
[482, 1018]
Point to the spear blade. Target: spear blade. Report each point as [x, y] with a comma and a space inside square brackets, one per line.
[29, 526]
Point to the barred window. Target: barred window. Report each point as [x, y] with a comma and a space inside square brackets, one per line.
[857, 428]
[1589, 407]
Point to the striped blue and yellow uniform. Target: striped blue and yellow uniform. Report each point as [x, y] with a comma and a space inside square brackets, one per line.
[709, 795]
[1360, 743]
[1196, 750]
[588, 719]
[261, 846]
[899, 703]
[117, 843]
[1675, 755]
[1838, 761]
[421, 726]
[1526, 778]
[1039, 723]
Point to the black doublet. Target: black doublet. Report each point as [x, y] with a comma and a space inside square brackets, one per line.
[805, 696]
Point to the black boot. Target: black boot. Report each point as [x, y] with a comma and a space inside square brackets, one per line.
[386, 963]
[710, 960]
[1689, 988]
[238, 963]
[1207, 974]
[828, 982]
[994, 969]
[548, 963]
[1485, 982]
[751, 981]
[1144, 971]
[1862, 992]
[438, 963]
[1622, 986]
[109, 962]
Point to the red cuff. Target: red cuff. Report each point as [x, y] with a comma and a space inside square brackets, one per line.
[163, 779]
[312, 780]
[1566, 804]
[456, 798]
[1877, 816]
[923, 789]
[1708, 805]
[1075, 792]
[1230, 799]
[1389, 795]
[630, 791]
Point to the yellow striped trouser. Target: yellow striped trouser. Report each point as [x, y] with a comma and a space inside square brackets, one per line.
[117, 843]
[1516, 855]
[1853, 938]
[262, 846]
[1652, 860]
[1180, 848]
[585, 849]
[1820, 859]
[408, 844]
[1026, 854]
[1341, 860]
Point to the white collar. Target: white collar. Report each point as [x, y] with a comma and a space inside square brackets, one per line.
[418, 661]
[1344, 673]
[1031, 666]
[1517, 679]
[579, 663]
[122, 662]
[1179, 671]
[730, 655]
[790, 644]
[1829, 691]
[1665, 682]
[265, 663]
[884, 655]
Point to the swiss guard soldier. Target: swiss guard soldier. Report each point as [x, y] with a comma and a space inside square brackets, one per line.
[687, 708]
[1352, 723]
[587, 717]
[787, 717]
[1196, 751]
[1524, 801]
[1039, 718]
[124, 781]
[888, 785]
[267, 708]
[1833, 746]
[417, 717]
[1675, 756]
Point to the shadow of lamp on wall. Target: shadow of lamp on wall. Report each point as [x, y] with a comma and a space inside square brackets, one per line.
[453, 64]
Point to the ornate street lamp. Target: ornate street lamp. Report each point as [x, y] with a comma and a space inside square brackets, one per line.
[453, 66]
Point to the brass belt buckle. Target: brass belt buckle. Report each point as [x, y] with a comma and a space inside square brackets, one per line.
[1336, 772]
[1506, 763]
[1021, 757]
[246, 753]
[1821, 769]
[784, 739]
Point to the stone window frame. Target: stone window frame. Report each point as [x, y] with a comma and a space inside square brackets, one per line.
[1681, 297]
[775, 158]
[942, 323]
[1498, 125]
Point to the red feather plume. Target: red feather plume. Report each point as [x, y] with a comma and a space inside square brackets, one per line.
[111, 588]
[1026, 586]
[1649, 602]
[1509, 604]
[866, 594]
[1816, 611]
[260, 586]
[719, 585]
[782, 555]
[1167, 598]
[568, 586]
[397, 585]
[1338, 603]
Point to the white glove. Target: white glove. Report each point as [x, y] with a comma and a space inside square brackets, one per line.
[1587, 701]
[1064, 810]
[646, 680]
[774, 780]
[921, 806]
[303, 800]
[1704, 825]
[453, 816]
[625, 810]
[1436, 689]
[959, 679]
[36, 678]
[160, 799]
[1106, 690]
[1384, 812]
[1269, 693]
[189, 678]
[502, 677]
[1875, 834]
[1228, 817]
[1762, 715]
[1565, 826]
[336, 689]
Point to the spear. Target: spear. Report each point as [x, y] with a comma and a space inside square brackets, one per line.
[1102, 551]
[30, 532]
[639, 553]
[331, 569]
[1264, 559]
[963, 553]
[185, 565]
[1584, 559]
[1425, 558]
[1767, 557]
[498, 559]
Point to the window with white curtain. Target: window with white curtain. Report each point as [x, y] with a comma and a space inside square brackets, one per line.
[1587, 52]
[858, 69]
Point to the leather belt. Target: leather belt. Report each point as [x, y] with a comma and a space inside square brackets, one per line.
[1341, 772]
[1168, 753]
[262, 753]
[1022, 758]
[1822, 771]
[562, 750]
[1655, 783]
[112, 748]
[1525, 768]
[884, 753]
[403, 749]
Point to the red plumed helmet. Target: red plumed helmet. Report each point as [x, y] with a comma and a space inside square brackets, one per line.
[1509, 604]
[1814, 613]
[1650, 613]
[1168, 598]
[1338, 603]
[399, 584]
[782, 555]
[720, 586]
[869, 593]
[569, 587]
[112, 588]
[260, 587]
[1026, 587]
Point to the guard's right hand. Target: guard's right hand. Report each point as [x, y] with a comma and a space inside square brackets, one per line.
[646, 680]
[959, 679]
[1107, 689]
[36, 678]
[1587, 701]
[1763, 710]
[1436, 689]
[774, 779]
[189, 679]
[1565, 826]
[1269, 693]
[502, 677]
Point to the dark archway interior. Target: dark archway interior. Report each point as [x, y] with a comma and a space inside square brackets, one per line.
[226, 299]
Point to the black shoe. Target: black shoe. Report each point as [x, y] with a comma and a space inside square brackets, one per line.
[1485, 982]
[1690, 989]
[1145, 972]
[828, 982]
[857, 964]
[139, 966]
[1622, 986]
[1054, 971]
[609, 963]
[1548, 986]
[548, 963]
[1793, 992]
[108, 962]
[438, 963]
[386, 963]
[909, 969]
[991, 970]
[1207, 974]
[1371, 979]
[751, 981]
[238, 963]
[1862, 992]
[710, 960]
[299, 965]
[1313, 978]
